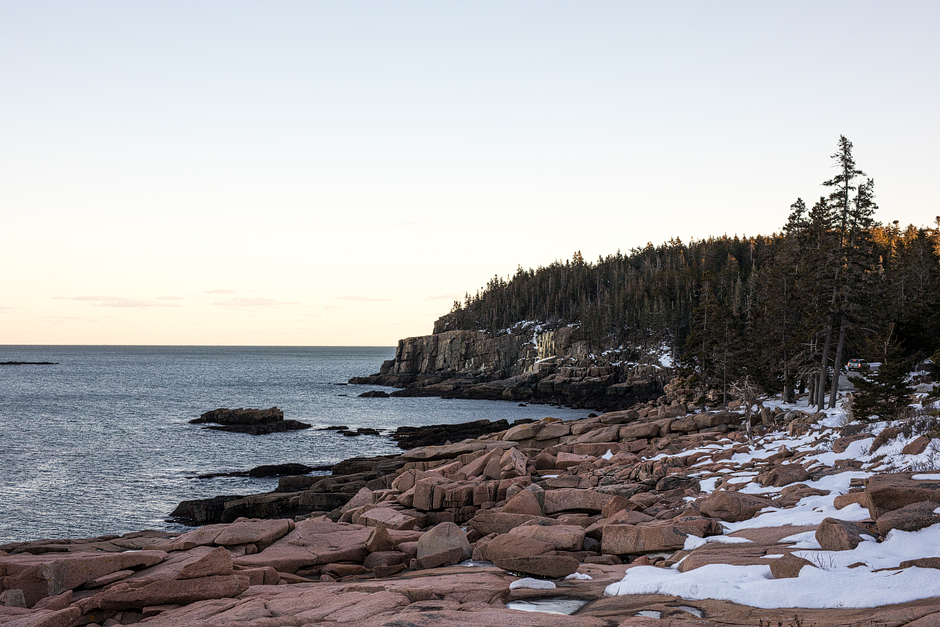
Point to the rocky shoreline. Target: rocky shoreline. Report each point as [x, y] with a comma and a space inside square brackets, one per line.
[662, 513]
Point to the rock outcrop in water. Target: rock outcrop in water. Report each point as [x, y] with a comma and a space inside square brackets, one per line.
[654, 492]
[251, 421]
[541, 368]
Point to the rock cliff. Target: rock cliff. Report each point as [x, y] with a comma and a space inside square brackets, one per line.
[521, 365]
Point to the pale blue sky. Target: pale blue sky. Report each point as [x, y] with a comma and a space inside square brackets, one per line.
[338, 173]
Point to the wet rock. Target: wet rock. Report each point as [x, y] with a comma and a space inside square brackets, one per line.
[414, 437]
[251, 421]
[374, 394]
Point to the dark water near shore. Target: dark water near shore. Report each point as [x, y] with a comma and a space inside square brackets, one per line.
[101, 444]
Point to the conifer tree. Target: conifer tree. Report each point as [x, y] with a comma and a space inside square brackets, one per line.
[884, 392]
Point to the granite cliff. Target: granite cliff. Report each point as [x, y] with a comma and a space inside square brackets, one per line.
[524, 364]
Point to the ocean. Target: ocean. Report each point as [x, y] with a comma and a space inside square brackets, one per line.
[101, 442]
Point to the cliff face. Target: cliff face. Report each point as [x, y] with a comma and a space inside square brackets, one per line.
[541, 367]
[454, 352]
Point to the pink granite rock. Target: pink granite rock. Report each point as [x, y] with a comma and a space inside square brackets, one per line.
[167, 592]
[788, 566]
[574, 499]
[525, 502]
[444, 537]
[512, 464]
[50, 574]
[783, 474]
[893, 491]
[732, 506]
[910, 517]
[560, 537]
[216, 562]
[839, 535]
[312, 542]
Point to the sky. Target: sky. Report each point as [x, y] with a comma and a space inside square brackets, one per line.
[338, 173]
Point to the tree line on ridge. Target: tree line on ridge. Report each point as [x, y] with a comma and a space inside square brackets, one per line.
[784, 311]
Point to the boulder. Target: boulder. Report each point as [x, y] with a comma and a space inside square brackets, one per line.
[850, 498]
[910, 517]
[893, 491]
[261, 533]
[486, 522]
[840, 445]
[524, 502]
[636, 539]
[560, 537]
[839, 535]
[512, 464]
[793, 494]
[379, 540]
[388, 518]
[788, 566]
[385, 558]
[444, 537]
[917, 446]
[732, 506]
[574, 499]
[886, 435]
[640, 430]
[783, 474]
[532, 557]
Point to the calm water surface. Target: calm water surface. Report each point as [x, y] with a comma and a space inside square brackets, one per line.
[101, 443]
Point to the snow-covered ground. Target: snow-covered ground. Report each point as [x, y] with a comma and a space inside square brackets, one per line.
[867, 576]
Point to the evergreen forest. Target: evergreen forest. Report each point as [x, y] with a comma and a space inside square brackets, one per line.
[783, 311]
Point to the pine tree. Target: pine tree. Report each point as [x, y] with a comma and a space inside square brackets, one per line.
[885, 392]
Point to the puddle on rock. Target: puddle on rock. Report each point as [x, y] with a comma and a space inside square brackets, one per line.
[650, 614]
[549, 606]
[694, 611]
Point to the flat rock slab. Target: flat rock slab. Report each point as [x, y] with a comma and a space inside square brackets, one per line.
[40, 576]
[311, 543]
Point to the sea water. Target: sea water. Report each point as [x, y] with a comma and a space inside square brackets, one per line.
[101, 442]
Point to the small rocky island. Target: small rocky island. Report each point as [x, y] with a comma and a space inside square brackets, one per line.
[251, 421]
